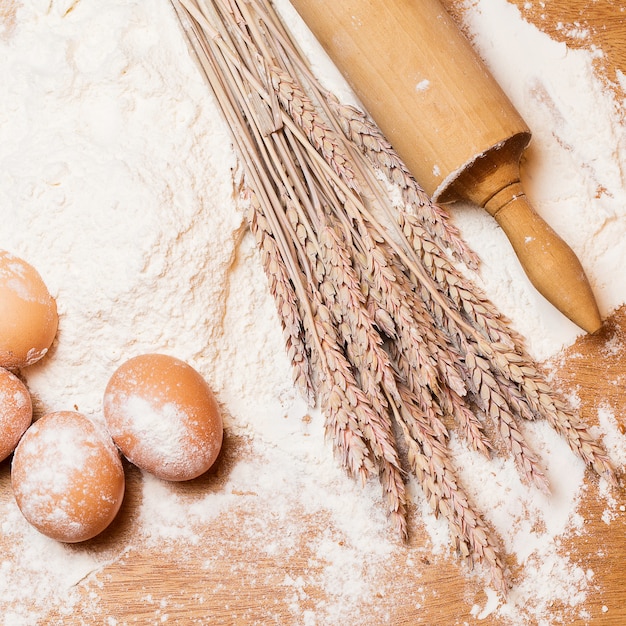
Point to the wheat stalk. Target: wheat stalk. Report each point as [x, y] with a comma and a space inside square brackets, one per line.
[368, 137]
[383, 329]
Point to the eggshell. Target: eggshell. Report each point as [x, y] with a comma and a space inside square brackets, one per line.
[67, 477]
[163, 416]
[16, 411]
[28, 313]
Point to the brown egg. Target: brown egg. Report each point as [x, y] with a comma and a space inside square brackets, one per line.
[163, 416]
[67, 477]
[28, 313]
[16, 411]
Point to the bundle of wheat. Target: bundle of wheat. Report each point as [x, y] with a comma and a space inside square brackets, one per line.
[384, 330]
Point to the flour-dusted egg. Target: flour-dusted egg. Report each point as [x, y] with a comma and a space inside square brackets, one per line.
[67, 477]
[28, 313]
[163, 416]
[16, 411]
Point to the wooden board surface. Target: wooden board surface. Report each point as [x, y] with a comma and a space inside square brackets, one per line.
[243, 585]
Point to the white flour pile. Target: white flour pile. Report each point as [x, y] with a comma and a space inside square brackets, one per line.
[115, 183]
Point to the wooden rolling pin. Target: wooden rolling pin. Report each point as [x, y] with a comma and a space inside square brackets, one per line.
[456, 130]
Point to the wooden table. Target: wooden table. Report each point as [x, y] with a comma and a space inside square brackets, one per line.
[146, 584]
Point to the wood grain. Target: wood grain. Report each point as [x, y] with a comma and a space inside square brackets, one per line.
[242, 584]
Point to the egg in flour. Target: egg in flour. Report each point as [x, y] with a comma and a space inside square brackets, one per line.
[163, 416]
[16, 411]
[28, 313]
[67, 477]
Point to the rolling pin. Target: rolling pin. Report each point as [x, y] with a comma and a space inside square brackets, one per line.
[458, 133]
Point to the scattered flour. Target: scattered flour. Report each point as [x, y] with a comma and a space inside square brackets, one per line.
[115, 183]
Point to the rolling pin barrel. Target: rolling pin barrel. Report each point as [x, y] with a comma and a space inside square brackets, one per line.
[450, 122]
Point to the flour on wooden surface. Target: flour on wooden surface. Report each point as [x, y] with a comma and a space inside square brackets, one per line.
[115, 183]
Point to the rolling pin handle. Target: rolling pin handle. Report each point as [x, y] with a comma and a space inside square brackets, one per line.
[550, 264]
